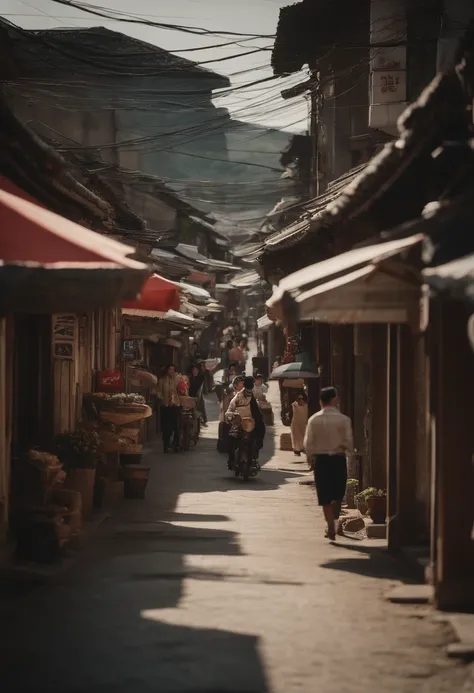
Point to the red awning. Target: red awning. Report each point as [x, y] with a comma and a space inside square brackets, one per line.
[50, 264]
[31, 233]
[158, 294]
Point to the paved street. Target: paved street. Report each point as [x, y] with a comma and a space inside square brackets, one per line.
[216, 586]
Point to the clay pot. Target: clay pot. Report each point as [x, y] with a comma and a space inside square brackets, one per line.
[83, 480]
[377, 509]
[129, 458]
[135, 477]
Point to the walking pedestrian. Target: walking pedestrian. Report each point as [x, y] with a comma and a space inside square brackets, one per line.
[196, 383]
[236, 354]
[328, 441]
[299, 422]
[168, 392]
[207, 385]
[261, 389]
[225, 358]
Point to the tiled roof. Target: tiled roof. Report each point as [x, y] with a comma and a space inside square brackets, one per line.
[308, 29]
[97, 50]
[309, 212]
[387, 191]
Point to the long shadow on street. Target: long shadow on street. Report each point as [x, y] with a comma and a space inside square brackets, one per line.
[98, 628]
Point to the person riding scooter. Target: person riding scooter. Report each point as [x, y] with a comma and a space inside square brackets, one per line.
[244, 405]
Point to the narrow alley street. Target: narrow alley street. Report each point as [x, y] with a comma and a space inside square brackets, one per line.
[213, 585]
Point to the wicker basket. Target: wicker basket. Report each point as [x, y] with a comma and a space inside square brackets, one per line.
[131, 449]
[187, 402]
[123, 414]
[110, 446]
[285, 442]
[130, 435]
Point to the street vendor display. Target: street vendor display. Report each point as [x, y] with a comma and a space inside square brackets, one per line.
[118, 417]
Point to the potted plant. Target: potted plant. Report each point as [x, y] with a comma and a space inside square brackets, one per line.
[135, 478]
[79, 452]
[352, 486]
[376, 502]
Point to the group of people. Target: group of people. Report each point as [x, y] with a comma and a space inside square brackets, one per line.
[171, 387]
[326, 437]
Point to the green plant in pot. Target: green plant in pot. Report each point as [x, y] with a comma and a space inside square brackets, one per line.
[352, 486]
[376, 501]
[79, 452]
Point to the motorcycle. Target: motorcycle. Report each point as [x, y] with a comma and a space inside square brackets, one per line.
[246, 462]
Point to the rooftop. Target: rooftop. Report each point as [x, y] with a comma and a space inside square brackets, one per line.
[97, 50]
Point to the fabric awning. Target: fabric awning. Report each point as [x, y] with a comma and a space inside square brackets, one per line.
[361, 286]
[158, 294]
[245, 279]
[191, 252]
[196, 292]
[224, 288]
[139, 313]
[168, 318]
[51, 264]
[31, 233]
[264, 323]
[455, 277]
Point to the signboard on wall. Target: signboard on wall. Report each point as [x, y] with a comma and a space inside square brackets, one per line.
[109, 381]
[130, 350]
[64, 328]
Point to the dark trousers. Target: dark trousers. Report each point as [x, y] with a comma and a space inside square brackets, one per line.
[330, 476]
[201, 407]
[170, 426]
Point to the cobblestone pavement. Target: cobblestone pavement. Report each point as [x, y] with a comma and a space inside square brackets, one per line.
[216, 586]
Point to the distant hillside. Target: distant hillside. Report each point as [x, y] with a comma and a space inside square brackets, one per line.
[242, 182]
[255, 144]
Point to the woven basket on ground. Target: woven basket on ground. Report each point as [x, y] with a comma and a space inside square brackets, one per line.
[130, 434]
[285, 442]
[131, 449]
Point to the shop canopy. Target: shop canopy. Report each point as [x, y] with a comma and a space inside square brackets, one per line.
[363, 285]
[244, 280]
[158, 294]
[264, 323]
[455, 278]
[196, 292]
[170, 317]
[50, 264]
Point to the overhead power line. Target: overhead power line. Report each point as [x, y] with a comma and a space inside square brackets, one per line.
[119, 16]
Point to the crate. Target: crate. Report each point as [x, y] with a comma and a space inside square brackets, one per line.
[285, 442]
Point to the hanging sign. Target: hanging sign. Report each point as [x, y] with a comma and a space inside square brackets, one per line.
[64, 329]
[130, 351]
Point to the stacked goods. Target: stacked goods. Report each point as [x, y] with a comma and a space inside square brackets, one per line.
[50, 471]
[285, 442]
[105, 400]
[119, 418]
[45, 516]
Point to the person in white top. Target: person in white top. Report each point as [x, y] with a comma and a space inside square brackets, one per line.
[260, 390]
[245, 405]
[328, 441]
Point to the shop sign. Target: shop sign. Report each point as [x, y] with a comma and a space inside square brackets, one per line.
[109, 381]
[64, 327]
[130, 351]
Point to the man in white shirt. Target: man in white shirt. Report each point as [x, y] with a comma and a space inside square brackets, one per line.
[328, 441]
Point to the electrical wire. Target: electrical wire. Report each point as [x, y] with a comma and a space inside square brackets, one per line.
[99, 11]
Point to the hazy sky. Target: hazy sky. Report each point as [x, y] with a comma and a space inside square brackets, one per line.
[260, 104]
